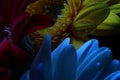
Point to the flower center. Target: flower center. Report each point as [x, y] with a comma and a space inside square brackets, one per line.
[6, 32]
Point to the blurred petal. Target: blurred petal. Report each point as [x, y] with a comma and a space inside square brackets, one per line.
[38, 22]
[18, 26]
[37, 73]
[17, 55]
[4, 46]
[115, 8]
[25, 76]
[66, 65]
[44, 57]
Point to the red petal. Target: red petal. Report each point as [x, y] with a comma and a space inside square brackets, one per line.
[18, 26]
[39, 22]
[4, 47]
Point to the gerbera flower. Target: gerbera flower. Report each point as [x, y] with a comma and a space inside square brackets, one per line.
[15, 23]
[77, 19]
[65, 63]
[111, 24]
[14, 19]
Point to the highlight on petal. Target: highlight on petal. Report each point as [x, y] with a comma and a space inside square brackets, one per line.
[57, 52]
[86, 49]
[17, 55]
[113, 76]
[94, 62]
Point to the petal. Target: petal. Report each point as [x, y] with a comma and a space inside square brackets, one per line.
[44, 56]
[113, 76]
[86, 2]
[94, 63]
[18, 26]
[38, 73]
[86, 49]
[66, 65]
[115, 8]
[25, 76]
[4, 46]
[57, 52]
[89, 17]
[109, 27]
[38, 21]
[114, 66]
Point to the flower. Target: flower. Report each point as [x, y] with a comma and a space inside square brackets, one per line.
[65, 63]
[11, 57]
[77, 20]
[15, 23]
[111, 24]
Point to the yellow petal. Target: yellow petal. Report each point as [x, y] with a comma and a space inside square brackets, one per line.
[115, 8]
[110, 26]
[89, 17]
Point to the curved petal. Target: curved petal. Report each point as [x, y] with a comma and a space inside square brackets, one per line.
[39, 73]
[94, 63]
[57, 52]
[44, 57]
[86, 49]
[4, 46]
[113, 76]
[114, 66]
[38, 21]
[66, 65]
[86, 20]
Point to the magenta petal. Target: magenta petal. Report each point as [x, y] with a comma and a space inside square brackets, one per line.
[38, 21]
[4, 46]
[18, 26]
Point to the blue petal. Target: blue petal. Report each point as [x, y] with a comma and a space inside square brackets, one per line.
[37, 73]
[86, 49]
[114, 66]
[113, 76]
[66, 65]
[44, 56]
[57, 52]
[94, 63]
[25, 76]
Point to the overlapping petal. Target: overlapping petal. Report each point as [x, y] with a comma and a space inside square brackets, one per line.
[89, 62]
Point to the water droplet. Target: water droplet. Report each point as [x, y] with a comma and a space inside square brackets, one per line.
[98, 64]
[63, 25]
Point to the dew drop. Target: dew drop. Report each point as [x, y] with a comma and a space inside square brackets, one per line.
[63, 25]
[98, 64]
